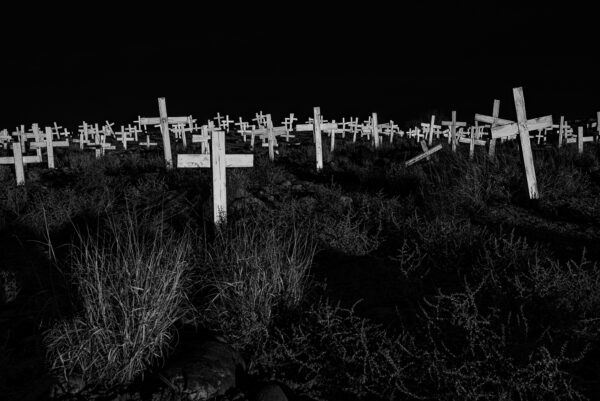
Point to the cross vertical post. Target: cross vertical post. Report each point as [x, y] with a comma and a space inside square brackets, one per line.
[317, 137]
[431, 124]
[164, 127]
[525, 143]
[50, 147]
[270, 138]
[375, 130]
[19, 166]
[560, 131]
[495, 113]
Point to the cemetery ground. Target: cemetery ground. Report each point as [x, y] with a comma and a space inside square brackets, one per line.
[368, 280]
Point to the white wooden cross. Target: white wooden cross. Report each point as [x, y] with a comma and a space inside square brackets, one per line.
[432, 128]
[268, 135]
[123, 137]
[225, 123]
[99, 145]
[390, 129]
[83, 135]
[203, 138]
[147, 143]
[580, 139]
[453, 125]
[219, 119]
[522, 127]
[375, 130]
[5, 138]
[425, 155]
[261, 119]
[19, 161]
[49, 143]
[288, 122]
[243, 128]
[354, 127]
[164, 120]
[316, 129]
[218, 161]
[133, 130]
[472, 141]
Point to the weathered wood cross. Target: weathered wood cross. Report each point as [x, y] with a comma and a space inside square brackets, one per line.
[218, 161]
[164, 120]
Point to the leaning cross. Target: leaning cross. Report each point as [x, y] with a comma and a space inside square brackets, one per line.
[522, 127]
[164, 122]
[218, 161]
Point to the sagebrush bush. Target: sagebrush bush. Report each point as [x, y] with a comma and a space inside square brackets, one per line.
[131, 286]
[330, 353]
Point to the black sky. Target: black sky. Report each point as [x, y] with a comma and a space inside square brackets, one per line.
[92, 64]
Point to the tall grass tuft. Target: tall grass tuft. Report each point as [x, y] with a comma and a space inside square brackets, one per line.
[131, 285]
[257, 268]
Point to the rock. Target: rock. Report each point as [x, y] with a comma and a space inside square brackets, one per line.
[286, 184]
[270, 392]
[203, 370]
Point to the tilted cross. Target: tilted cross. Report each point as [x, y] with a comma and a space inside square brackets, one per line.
[164, 120]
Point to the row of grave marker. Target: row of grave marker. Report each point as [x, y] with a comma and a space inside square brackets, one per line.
[218, 160]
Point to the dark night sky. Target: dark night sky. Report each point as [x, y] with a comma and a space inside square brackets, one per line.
[96, 63]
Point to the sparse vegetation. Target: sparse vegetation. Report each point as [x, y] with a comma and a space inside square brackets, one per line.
[368, 281]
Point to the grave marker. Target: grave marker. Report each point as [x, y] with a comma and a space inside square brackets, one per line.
[218, 161]
[453, 124]
[164, 120]
[425, 154]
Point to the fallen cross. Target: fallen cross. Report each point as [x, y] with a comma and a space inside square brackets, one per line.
[427, 152]
[218, 161]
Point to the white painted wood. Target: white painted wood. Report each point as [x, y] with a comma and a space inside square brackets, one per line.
[317, 137]
[523, 130]
[19, 163]
[49, 147]
[431, 128]
[501, 131]
[453, 125]
[164, 128]
[203, 161]
[423, 155]
[218, 161]
[495, 114]
[375, 130]
[271, 138]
